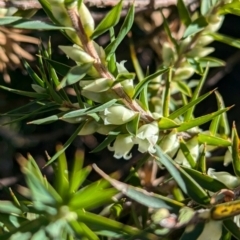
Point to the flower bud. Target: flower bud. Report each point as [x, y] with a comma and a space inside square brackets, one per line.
[87, 19]
[89, 127]
[215, 22]
[169, 142]
[77, 54]
[183, 73]
[204, 40]
[105, 129]
[200, 52]
[100, 51]
[122, 146]
[117, 115]
[168, 54]
[98, 85]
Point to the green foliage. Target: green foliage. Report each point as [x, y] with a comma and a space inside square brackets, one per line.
[145, 112]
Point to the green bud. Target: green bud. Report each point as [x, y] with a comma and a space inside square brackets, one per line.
[215, 22]
[117, 115]
[100, 51]
[98, 85]
[184, 44]
[89, 127]
[200, 52]
[183, 73]
[204, 40]
[159, 215]
[87, 19]
[77, 54]
[168, 54]
[105, 129]
[169, 143]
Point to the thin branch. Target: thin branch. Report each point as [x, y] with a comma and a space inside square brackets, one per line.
[34, 4]
[100, 67]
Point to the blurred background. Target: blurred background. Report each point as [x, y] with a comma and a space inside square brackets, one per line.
[147, 37]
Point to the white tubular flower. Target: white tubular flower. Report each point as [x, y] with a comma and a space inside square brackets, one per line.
[122, 146]
[147, 137]
[229, 180]
[117, 115]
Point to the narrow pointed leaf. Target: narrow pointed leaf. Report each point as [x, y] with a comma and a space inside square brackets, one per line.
[225, 39]
[66, 144]
[213, 140]
[46, 120]
[146, 80]
[235, 151]
[110, 138]
[184, 13]
[185, 108]
[167, 162]
[187, 154]
[61, 182]
[201, 120]
[167, 123]
[201, 164]
[95, 109]
[127, 24]
[110, 20]
[185, 181]
[82, 230]
[99, 223]
[78, 177]
[196, 26]
[32, 74]
[86, 199]
[141, 196]
[75, 74]
[60, 68]
[232, 228]
[184, 88]
[25, 93]
[18, 22]
[132, 126]
[206, 182]
[9, 208]
[195, 95]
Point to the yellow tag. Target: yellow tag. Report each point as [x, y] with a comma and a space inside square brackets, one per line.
[225, 210]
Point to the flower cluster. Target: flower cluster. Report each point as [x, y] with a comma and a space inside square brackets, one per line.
[146, 138]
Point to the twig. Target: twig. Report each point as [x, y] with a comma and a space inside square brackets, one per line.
[34, 4]
[218, 74]
[100, 67]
